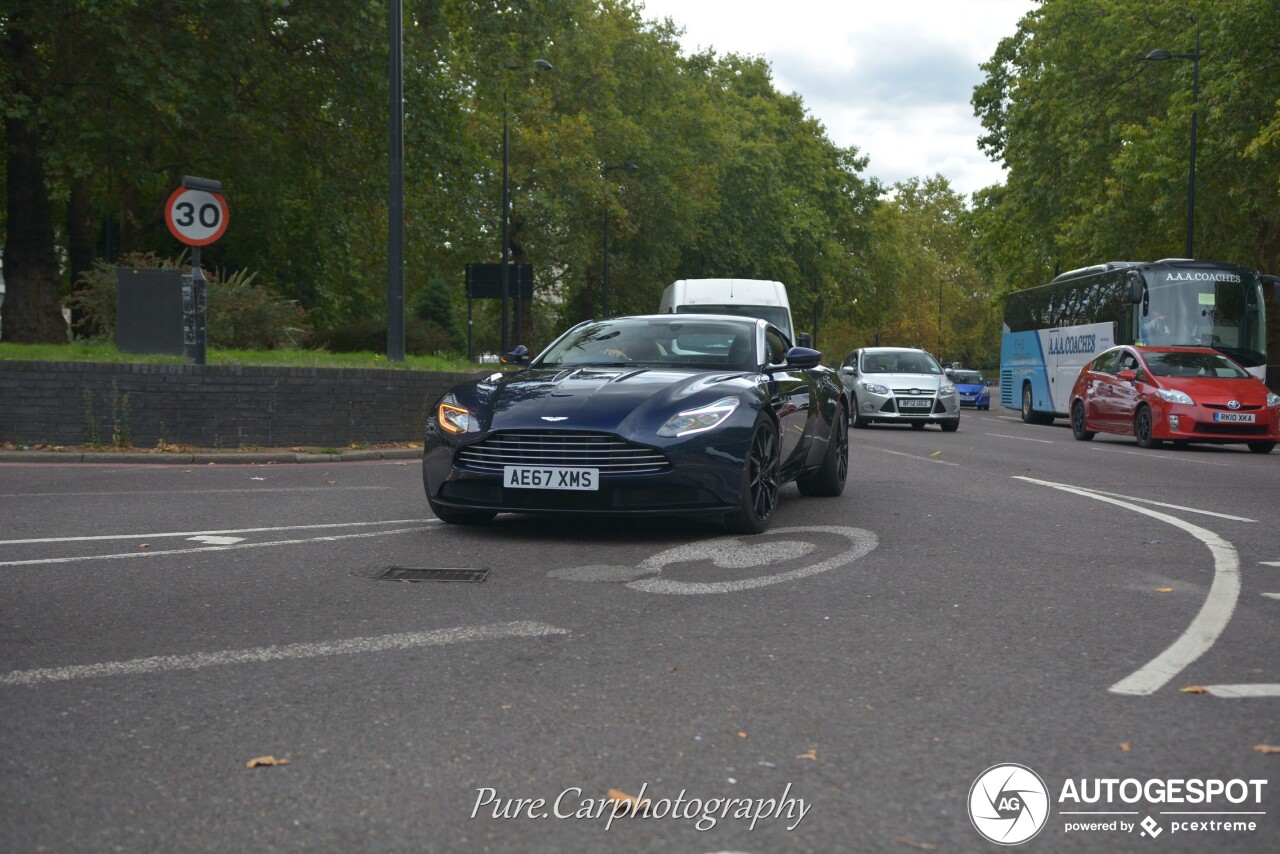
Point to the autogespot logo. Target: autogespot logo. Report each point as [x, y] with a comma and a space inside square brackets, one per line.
[1008, 804]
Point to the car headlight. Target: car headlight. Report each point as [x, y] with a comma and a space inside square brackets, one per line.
[876, 388]
[1273, 399]
[456, 420]
[1172, 395]
[947, 389]
[699, 420]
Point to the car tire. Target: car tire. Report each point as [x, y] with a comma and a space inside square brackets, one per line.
[1261, 447]
[1078, 423]
[828, 479]
[1143, 424]
[858, 421]
[950, 426]
[455, 516]
[758, 496]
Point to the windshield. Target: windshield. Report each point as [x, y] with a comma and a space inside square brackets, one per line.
[968, 378]
[775, 314]
[903, 362]
[655, 342]
[1194, 365]
[1205, 307]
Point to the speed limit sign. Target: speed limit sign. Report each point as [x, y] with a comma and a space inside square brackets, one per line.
[196, 217]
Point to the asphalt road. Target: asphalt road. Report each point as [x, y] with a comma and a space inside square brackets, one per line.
[999, 595]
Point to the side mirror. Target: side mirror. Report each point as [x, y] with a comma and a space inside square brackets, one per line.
[803, 357]
[1127, 375]
[848, 369]
[1136, 286]
[804, 339]
[518, 355]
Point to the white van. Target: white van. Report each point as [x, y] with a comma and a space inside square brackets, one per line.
[744, 297]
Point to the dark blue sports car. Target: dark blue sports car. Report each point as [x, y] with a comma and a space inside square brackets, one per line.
[685, 414]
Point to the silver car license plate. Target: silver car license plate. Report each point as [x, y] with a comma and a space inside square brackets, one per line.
[1234, 417]
[551, 477]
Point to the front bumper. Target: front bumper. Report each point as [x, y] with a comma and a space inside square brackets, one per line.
[1179, 422]
[699, 479]
[908, 408]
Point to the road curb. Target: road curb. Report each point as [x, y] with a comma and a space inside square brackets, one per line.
[209, 457]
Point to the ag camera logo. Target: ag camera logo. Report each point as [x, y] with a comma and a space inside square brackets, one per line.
[1008, 804]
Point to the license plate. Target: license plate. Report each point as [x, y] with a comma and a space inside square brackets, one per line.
[1234, 417]
[915, 404]
[551, 477]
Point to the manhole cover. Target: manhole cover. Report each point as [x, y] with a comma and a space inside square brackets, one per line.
[413, 573]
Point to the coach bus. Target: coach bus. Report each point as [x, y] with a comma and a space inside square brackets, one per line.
[1053, 330]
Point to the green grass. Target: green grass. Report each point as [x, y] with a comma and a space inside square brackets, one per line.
[99, 352]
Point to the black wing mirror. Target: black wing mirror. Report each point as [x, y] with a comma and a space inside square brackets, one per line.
[803, 357]
[518, 355]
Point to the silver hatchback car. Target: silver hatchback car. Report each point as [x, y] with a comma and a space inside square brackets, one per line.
[899, 385]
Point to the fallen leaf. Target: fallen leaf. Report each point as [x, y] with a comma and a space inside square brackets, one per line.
[935, 453]
[1124, 745]
[811, 753]
[506, 705]
[673, 668]
[144, 545]
[1267, 748]
[1193, 689]
[741, 734]
[1164, 589]
[264, 761]
[923, 846]
[330, 481]
[631, 802]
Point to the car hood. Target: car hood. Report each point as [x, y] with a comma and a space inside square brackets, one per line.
[970, 388]
[1218, 391]
[924, 382]
[586, 398]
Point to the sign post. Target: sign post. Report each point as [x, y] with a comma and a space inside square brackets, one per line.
[196, 215]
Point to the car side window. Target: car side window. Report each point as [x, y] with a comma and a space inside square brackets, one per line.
[1128, 362]
[1106, 363]
[775, 348]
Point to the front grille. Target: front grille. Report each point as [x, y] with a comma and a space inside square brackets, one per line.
[1231, 429]
[602, 451]
[1244, 407]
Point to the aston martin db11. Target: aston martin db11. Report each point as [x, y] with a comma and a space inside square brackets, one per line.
[704, 415]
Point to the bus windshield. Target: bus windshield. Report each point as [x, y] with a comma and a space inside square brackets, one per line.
[1206, 308]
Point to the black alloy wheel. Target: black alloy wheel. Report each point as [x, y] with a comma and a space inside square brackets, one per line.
[760, 487]
[1078, 423]
[1142, 428]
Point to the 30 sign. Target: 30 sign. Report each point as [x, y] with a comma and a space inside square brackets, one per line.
[196, 217]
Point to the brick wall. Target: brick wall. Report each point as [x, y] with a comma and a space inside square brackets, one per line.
[215, 406]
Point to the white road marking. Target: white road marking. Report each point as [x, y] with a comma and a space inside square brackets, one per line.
[206, 549]
[1243, 691]
[1170, 506]
[1207, 625]
[738, 554]
[1272, 595]
[190, 534]
[1154, 456]
[210, 540]
[381, 643]
[915, 457]
[1269, 562]
[1021, 438]
[253, 490]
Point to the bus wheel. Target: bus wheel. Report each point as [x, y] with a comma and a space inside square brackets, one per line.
[1142, 427]
[1078, 424]
[1029, 415]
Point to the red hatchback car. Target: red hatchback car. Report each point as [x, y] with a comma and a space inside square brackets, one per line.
[1179, 394]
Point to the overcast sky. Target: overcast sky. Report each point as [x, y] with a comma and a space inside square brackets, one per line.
[893, 78]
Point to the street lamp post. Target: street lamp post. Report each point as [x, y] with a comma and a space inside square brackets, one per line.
[1194, 57]
[541, 65]
[604, 290]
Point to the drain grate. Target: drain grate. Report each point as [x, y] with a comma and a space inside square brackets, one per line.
[413, 573]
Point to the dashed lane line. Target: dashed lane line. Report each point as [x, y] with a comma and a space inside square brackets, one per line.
[189, 534]
[428, 524]
[350, 646]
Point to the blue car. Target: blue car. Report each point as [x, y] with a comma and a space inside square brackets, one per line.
[686, 414]
[973, 388]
